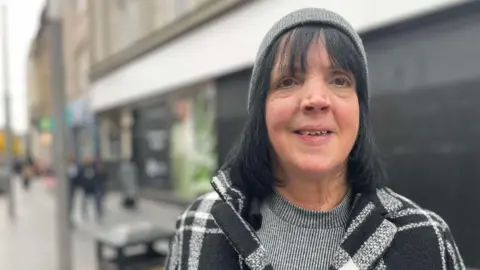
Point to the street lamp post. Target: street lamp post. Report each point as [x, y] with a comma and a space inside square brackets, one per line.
[60, 155]
[8, 130]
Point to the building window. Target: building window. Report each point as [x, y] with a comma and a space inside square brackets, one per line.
[181, 7]
[97, 30]
[131, 20]
[85, 143]
[81, 5]
[82, 64]
[124, 24]
[186, 6]
[164, 12]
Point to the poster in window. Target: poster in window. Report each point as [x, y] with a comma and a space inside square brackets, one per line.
[193, 157]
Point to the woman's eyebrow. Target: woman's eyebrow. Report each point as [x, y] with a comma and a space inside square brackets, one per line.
[287, 68]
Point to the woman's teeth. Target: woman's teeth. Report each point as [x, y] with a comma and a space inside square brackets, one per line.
[314, 133]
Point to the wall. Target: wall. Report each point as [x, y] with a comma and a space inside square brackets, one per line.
[120, 24]
[38, 73]
[76, 41]
[44, 74]
[232, 44]
[33, 98]
[76, 47]
[39, 93]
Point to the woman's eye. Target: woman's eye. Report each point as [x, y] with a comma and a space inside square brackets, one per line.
[341, 82]
[287, 83]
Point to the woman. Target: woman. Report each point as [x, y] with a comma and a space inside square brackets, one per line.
[304, 187]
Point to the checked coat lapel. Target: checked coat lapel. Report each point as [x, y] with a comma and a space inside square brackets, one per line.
[239, 233]
[369, 234]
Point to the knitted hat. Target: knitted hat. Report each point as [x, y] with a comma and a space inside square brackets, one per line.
[299, 18]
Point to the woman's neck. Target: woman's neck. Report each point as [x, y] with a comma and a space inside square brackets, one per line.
[321, 194]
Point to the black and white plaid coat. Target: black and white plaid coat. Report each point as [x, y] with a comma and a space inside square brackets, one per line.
[385, 231]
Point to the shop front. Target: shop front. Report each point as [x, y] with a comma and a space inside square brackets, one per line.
[232, 95]
[174, 142]
[151, 145]
[425, 77]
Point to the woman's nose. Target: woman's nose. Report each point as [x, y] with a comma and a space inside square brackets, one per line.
[315, 97]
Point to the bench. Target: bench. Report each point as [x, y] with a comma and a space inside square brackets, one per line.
[143, 237]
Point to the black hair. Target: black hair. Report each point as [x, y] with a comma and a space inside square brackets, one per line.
[250, 160]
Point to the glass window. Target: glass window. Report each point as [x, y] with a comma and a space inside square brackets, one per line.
[82, 64]
[164, 12]
[98, 36]
[81, 5]
[181, 7]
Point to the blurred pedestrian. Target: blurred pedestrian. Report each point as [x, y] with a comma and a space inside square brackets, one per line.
[304, 187]
[90, 188]
[17, 167]
[128, 182]
[100, 186]
[28, 172]
[75, 185]
[4, 177]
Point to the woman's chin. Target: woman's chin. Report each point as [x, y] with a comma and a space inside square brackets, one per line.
[316, 167]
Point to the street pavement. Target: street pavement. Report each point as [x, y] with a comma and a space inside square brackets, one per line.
[29, 242]
[162, 215]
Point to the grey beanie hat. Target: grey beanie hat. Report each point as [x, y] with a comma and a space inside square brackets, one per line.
[299, 18]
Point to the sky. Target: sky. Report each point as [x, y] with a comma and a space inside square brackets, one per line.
[23, 21]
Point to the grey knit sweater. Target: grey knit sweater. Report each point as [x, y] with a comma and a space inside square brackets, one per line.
[296, 238]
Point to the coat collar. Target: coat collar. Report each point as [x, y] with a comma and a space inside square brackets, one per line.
[231, 219]
[368, 235]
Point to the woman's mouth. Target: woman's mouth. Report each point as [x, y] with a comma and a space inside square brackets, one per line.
[313, 132]
[314, 137]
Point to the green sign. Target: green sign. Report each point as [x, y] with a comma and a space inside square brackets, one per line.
[46, 124]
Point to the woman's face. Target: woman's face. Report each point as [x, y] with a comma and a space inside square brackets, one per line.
[312, 117]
